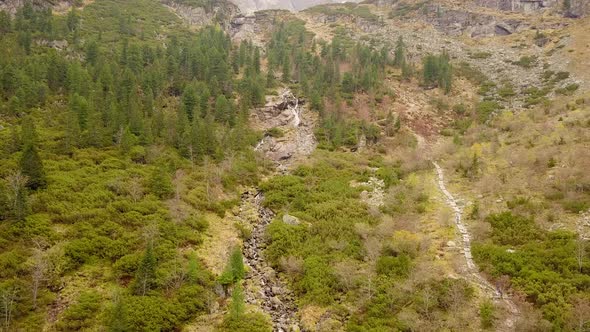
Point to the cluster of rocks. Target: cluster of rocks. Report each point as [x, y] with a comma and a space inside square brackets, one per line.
[263, 287]
[220, 12]
[583, 226]
[11, 6]
[576, 8]
[374, 197]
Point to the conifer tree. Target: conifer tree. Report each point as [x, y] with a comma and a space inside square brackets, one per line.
[237, 307]
[256, 60]
[146, 273]
[222, 109]
[160, 183]
[5, 22]
[399, 59]
[30, 162]
[117, 321]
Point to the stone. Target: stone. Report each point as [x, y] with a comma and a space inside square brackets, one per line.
[291, 220]
[451, 244]
[275, 301]
[276, 290]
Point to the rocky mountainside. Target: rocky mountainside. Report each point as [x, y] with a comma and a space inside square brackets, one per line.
[249, 6]
[58, 5]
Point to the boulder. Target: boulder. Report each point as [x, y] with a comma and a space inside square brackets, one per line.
[290, 220]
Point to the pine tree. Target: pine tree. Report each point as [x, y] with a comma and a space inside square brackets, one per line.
[189, 101]
[193, 268]
[237, 307]
[146, 273]
[236, 265]
[127, 141]
[222, 109]
[117, 321]
[256, 60]
[286, 69]
[73, 20]
[32, 166]
[430, 70]
[160, 183]
[30, 162]
[399, 59]
[92, 52]
[270, 78]
[5, 22]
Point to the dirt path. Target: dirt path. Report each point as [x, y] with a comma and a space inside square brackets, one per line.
[473, 272]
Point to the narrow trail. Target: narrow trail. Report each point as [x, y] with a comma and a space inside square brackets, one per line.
[263, 286]
[473, 272]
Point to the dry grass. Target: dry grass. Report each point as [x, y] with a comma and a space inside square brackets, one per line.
[220, 238]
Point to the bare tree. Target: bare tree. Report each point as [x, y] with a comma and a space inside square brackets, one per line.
[427, 302]
[580, 314]
[8, 298]
[17, 182]
[135, 189]
[39, 269]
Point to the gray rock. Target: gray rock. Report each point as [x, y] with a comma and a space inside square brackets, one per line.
[275, 301]
[290, 220]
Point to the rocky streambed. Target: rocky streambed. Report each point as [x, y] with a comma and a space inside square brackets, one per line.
[263, 286]
[289, 137]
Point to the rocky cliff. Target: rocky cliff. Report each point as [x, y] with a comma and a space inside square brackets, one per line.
[571, 8]
[11, 6]
[219, 12]
[249, 6]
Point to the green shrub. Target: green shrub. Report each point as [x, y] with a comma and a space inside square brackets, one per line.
[318, 284]
[485, 109]
[149, 313]
[398, 266]
[526, 61]
[248, 322]
[275, 132]
[480, 55]
[81, 314]
[487, 314]
[512, 229]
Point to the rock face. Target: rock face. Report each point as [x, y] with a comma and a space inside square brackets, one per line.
[526, 6]
[288, 116]
[220, 12]
[250, 6]
[11, 6]
[577, 8]
[456, 22]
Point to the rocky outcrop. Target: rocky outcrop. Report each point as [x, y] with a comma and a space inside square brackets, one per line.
[250, 6]
[219, 12]
[289, 128]
[458, 21]
[11, 6]
[578, 8]
[526, 6]
[256, 27]
[575, 8]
